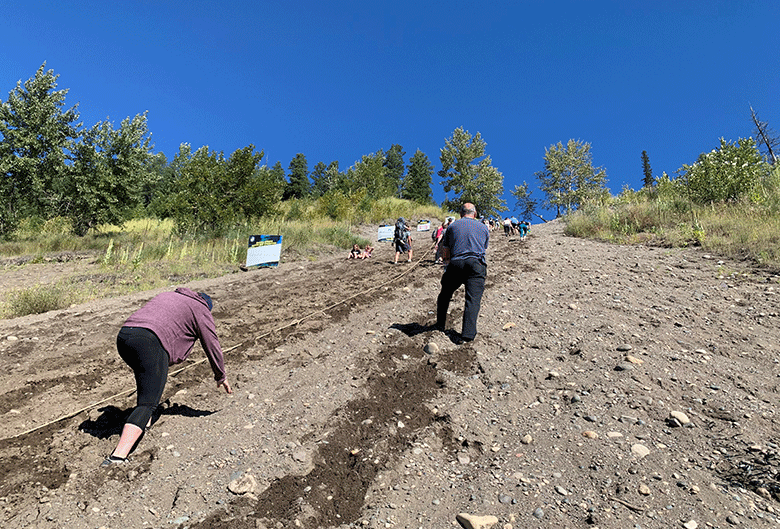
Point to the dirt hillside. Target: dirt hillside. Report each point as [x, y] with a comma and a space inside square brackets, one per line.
[609, 387]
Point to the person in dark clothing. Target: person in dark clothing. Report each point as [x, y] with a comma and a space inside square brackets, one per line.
[463, 249]
[160, 334]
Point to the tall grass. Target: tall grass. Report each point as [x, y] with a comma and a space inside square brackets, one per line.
[146, 254]
[741, 229]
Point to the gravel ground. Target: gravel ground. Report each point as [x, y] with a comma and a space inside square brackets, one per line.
[609, 386]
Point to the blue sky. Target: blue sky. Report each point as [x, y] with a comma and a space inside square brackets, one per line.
[336, 80]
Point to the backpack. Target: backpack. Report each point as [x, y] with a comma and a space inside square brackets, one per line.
[400, 228]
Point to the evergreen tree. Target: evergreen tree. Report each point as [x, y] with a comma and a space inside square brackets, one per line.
[648, 180]
[37, 136]
[319, 180]
[417, 184]
[298, 186]
[469, 173]
[394, 163]
[569, 179]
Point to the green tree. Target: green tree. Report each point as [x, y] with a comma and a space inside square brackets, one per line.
[648, 173]
[319, 180]
[417, 184]
[728, 173]
[212, 193]
[298, 186]
[525, 204]
[394, 163]
[110, 171]
[368, 174]
[569, 179]
[469, 174]
[37, 135]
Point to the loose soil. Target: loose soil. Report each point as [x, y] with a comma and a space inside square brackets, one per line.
[609, 386]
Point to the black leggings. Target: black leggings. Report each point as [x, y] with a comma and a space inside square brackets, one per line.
[142, 351]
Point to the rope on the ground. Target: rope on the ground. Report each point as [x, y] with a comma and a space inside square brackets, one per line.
[256, 338]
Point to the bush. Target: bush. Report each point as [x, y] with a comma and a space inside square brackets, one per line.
[36, 300]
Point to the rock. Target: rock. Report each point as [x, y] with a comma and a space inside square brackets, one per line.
[300, 455]
[681, 417]
[640, 450]
[624, 366]
[243, 485]
[538, 513]
[509, 325]
[590, 434]
[472, 521]
[732, 519]
[431, 348]
[560, 490]
[635, 360]
[527, 439]
[614, 435]
[692, 524]
[644, 490]
[464, 459]
[11, 338]
[624, 347]
[504, 498]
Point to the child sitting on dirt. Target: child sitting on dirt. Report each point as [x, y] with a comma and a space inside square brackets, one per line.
[367, 252]
[355, 253]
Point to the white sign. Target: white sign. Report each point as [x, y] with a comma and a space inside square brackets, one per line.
[386, 233]
[423, 225]
[264, 250]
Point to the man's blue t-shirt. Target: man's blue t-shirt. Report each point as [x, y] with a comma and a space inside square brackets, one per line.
[466, 237]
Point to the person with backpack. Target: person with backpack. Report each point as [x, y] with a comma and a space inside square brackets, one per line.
[402, 239]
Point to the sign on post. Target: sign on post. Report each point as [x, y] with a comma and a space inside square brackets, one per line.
[385, 233]
[264, 250]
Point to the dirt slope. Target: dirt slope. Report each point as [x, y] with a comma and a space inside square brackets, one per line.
[608, 387]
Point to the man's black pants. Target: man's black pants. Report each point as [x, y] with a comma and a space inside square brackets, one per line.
[470, 272]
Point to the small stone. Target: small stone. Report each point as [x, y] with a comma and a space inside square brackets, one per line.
[681, 417]
[624, 347]
[504, 498]
[464, 459]
[640, 450]
[732, 519]
[560, 490]
[243, 485]
[11, 338]
[573, 306]
[527, 439]
[614, 435]
[624, 366]
[431, 348]
[538, 513]
[472, 521]
[692, 524]
[300, 455]
[644, 490]
[509, 325]
[590, 434]
[635, 360]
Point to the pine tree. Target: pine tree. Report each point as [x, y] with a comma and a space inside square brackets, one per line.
[648, 180]
[417, 184]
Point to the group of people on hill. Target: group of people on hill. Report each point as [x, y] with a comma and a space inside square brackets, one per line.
[514, 227]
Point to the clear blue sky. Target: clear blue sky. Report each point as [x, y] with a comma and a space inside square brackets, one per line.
[339, 79]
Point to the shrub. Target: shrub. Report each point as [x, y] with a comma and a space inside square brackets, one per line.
[37, 300]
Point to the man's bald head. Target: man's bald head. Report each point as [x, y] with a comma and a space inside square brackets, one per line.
[468, 210]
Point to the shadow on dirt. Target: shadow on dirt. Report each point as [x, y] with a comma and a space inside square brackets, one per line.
[112, 419]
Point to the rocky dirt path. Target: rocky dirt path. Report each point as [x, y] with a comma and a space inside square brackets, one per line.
[609, 386]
